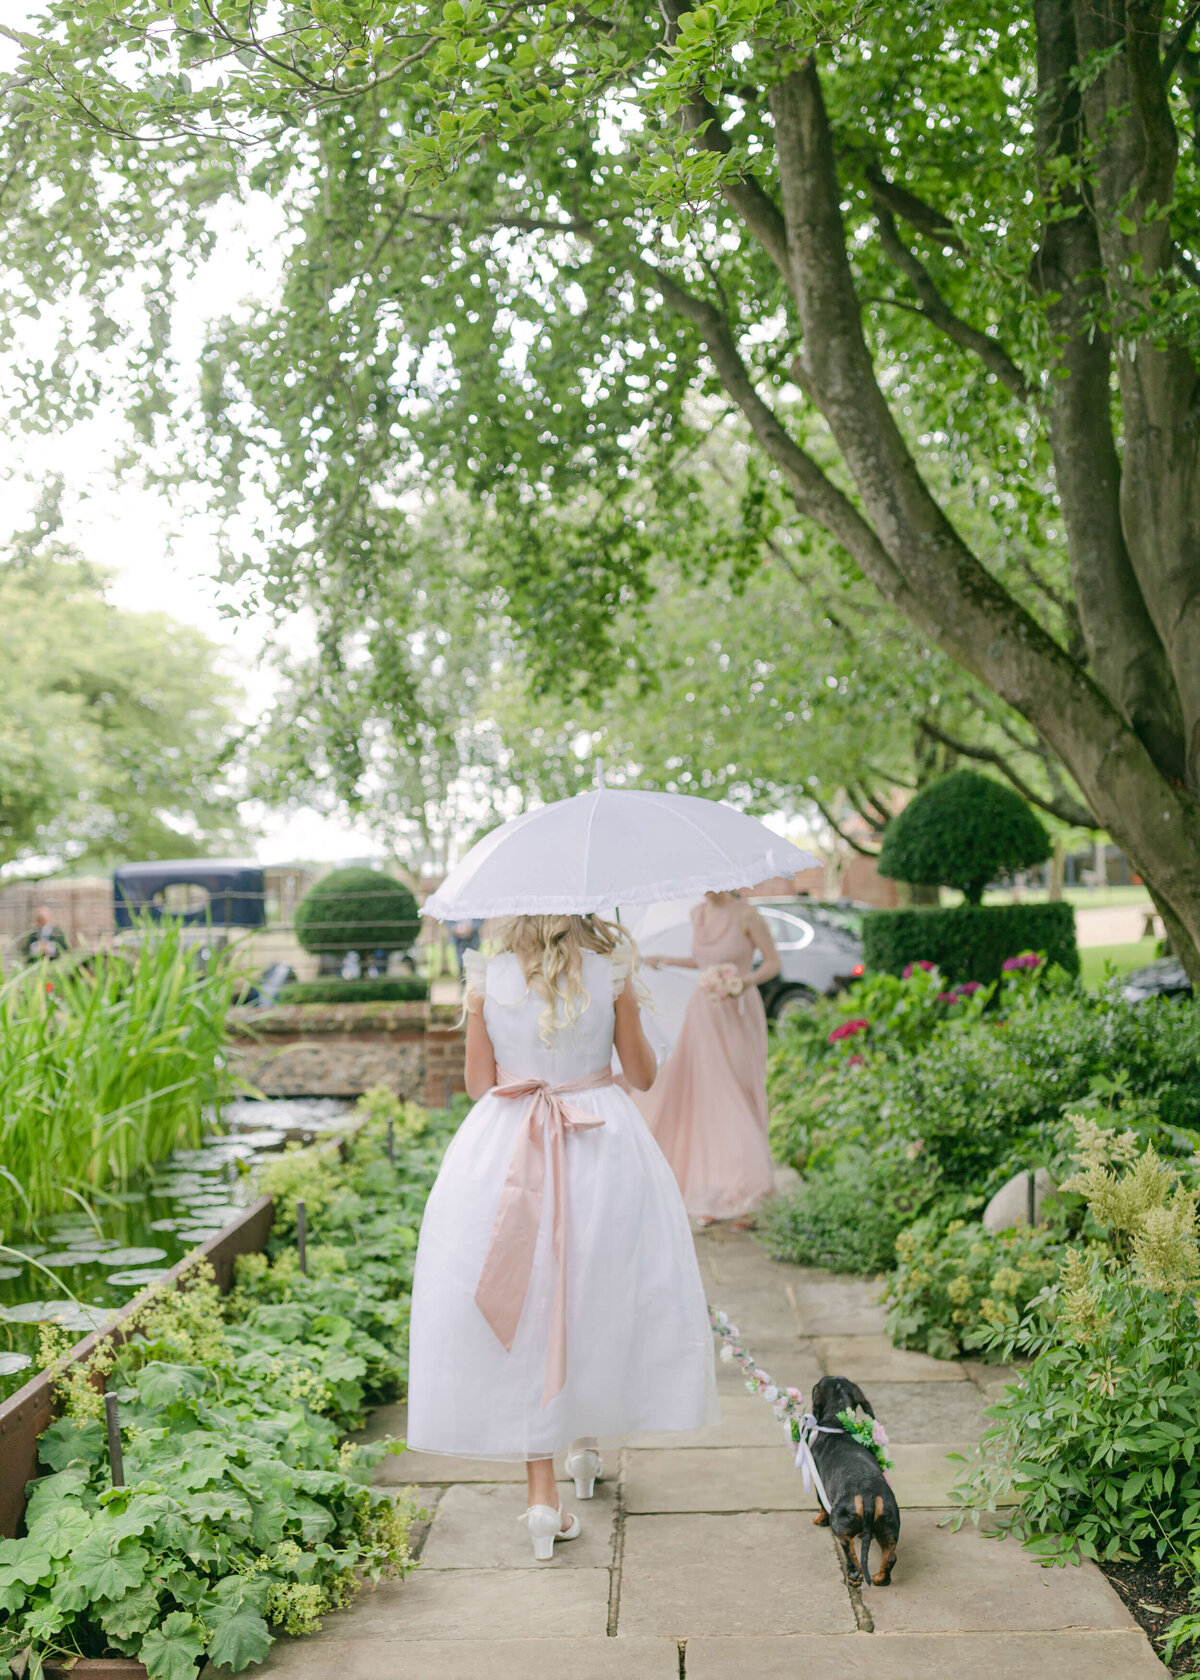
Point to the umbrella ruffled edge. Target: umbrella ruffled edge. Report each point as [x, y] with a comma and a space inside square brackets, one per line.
[658, 892]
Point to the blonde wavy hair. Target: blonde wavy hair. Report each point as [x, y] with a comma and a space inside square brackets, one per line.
[550, 951]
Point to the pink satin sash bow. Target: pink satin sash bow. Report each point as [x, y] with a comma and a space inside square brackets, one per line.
[508, 1264]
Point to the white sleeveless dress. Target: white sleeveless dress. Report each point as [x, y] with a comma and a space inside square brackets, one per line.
[639, 1354]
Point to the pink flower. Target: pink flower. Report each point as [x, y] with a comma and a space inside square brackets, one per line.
[848, 1029]
[947, 997]
[856, 1061]
[1027, 960]
[762, 1376]
[913, 966]
[793, 1393]
[733, 1331]
[879, 1435]
[968, 988]
[770, 1393]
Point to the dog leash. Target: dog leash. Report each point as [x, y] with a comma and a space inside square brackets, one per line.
[800, 1426]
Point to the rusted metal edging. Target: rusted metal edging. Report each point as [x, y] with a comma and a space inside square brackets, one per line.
[29, 1411]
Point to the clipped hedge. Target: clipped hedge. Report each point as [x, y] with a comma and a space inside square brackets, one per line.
[970, 942]
[411, 989]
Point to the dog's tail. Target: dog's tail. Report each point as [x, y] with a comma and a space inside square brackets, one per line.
[868, 1534]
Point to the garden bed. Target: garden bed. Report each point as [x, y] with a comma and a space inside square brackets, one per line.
[244, 1509]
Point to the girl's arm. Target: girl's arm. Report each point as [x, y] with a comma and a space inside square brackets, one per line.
[481, 1058]
[637, 1058]
[671, 962]
[760, 933]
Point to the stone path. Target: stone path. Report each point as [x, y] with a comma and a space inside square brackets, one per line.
[699, 1561]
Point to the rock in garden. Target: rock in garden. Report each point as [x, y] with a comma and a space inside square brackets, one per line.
[1010, 1205]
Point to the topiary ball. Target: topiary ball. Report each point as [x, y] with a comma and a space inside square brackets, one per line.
[962, 831]
[357, 910]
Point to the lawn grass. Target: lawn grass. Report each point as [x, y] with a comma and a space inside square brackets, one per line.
[1093, 960]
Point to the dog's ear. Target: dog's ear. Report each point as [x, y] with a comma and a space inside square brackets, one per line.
[860, 1399]
[817, 1398]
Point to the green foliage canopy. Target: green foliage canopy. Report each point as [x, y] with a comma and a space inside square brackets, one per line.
[115, 727]
[964, 830]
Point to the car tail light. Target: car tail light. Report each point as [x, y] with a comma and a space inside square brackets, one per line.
[857, 970]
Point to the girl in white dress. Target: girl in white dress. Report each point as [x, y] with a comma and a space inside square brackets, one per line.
[557, 1297]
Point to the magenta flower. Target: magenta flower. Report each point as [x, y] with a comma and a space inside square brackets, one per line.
[947, 997]
[1027, 960]
[913, 966]
[848, 1029]
[856, 1061]
[968, 988]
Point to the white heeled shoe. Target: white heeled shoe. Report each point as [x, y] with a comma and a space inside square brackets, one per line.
[545, 1527]
[585, 1469]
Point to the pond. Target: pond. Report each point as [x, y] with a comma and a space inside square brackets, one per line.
[86, 1267]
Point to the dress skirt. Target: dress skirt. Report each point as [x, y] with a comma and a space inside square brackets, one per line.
[639, 1354]
[708, 1107]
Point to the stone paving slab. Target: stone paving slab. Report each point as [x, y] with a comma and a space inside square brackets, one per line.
[749, 1572]
[746, 1421]
[435, 1468]
[908, 1656]
[790, 1361]
[923, 1475]
[840, 1307]
[873, 1359]
[991, 1380]
[468, 1659]
[969, 1582]
[715, 1479]
[478, 1527]
[542, 1601]
[760, 1312]
[928, 1411]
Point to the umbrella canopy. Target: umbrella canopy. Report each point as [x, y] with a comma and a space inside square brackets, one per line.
[612, 846]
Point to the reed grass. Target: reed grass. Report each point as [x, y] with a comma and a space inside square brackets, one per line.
[106, 1066]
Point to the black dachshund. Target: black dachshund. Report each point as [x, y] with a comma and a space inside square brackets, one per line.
[860, 1500]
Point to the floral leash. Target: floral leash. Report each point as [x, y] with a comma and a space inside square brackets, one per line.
[800, 1426]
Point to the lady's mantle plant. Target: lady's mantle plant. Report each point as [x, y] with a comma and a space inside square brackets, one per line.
[244, 1511]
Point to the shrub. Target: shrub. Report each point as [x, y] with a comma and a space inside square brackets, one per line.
[411, 989]
[357, 910]
[962, 831]
[1100, 1437]
[971, 942]
[987, 1096]
[952, 1289]
[847, 1216]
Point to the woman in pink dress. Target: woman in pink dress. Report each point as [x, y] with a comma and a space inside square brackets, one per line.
[708, 1106]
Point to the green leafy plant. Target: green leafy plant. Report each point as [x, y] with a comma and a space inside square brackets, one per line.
[847, 1216]
[1099, 1439]
[963, 830]
[357, 910]
[953, 1287]
[241, 1511]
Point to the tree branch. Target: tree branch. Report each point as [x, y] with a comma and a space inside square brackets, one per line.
[1065, 809]
[863, 851]
[814, 494]
[1179, 42]
[898, 201]
[935, 309]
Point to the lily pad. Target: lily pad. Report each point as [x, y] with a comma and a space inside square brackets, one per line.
[137, 1277]
[11, 1271]
[134, 1256]
[166, 1224]
[71, 1257]
[72, 1315]
[11, 1363]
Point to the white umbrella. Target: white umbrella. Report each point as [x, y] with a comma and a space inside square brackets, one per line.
[612, 846]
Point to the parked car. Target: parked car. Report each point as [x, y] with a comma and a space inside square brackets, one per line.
[1165, 978]
[820, 949]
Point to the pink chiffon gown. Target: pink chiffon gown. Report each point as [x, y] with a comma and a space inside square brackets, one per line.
[708, 1107]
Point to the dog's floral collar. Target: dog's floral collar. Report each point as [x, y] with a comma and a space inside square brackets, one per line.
[869, 1433]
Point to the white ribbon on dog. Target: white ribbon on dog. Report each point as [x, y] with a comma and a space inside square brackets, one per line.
[805, 1462]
